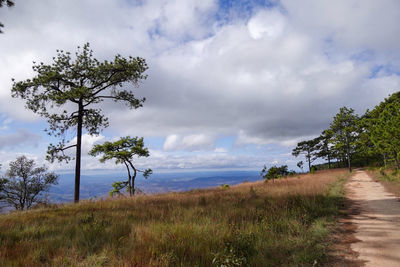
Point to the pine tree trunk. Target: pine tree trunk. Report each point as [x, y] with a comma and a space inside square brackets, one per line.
[348, 159]
[133, 187]
[133, 177]
[133, 181]
[78, 153]
[329, 162]
[384, 160]
[396, 160]
[349, 162]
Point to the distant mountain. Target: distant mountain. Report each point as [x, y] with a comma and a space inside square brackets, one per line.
[97, 186]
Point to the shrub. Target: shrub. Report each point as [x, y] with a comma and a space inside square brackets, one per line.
[274, 172]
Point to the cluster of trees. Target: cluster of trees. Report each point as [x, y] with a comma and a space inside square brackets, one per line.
[370, 139]
[68, 94]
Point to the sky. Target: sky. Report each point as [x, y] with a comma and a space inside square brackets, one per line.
[232, 85]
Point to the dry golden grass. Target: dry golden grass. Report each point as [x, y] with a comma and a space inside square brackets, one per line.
[281, 223]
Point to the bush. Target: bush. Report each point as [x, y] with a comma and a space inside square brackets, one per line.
[274, 172]
[313, 169]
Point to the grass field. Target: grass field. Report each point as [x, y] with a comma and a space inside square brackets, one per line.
[281, 223]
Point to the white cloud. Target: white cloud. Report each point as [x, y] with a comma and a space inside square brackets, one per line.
[353, 26]
[88, 141]
[171, 142]
[220, 150]
[268, 23]
[272, 78]
[194, 142]
[20, 138]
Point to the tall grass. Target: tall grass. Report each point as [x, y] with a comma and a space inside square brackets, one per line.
[285, 223]
[390, 178]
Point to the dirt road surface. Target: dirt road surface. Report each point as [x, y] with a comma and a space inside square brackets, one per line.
[378, 221]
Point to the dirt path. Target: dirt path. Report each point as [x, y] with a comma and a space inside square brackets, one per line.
[378, 221]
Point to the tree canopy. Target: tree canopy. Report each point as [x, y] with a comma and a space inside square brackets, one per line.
[307, 148]
[383, 124]
[69, 91]
[344, 129]
[24, 184]
[324, 147]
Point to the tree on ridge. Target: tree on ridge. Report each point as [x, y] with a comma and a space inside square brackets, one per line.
[68, 93]
[307, 148]
[123, 151]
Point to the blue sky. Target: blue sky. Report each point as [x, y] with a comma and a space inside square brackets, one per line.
[231, 84]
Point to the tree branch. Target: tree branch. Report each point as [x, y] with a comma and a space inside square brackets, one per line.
[104, 81]
[65, 148]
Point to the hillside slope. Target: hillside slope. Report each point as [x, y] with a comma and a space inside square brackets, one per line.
[286, 222]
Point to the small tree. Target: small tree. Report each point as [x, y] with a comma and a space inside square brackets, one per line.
[3, 3]
[274, 172]
[68, 92]
[123, 151]
[324, 146]
[308, 148]
[24, 184]
[344, 129]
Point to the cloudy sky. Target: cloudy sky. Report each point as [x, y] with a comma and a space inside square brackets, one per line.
[231, 84]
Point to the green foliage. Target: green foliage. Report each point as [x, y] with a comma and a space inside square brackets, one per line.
[300, 164]
[123, 151]
[274, 172]
[68, 92]
[117, 187]
[24, 184]
[308, 148]
[383, 124]
[225, 186]
[313, 169]
[82, 82]
[325, 147]
[344, 129]
[239, 247]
